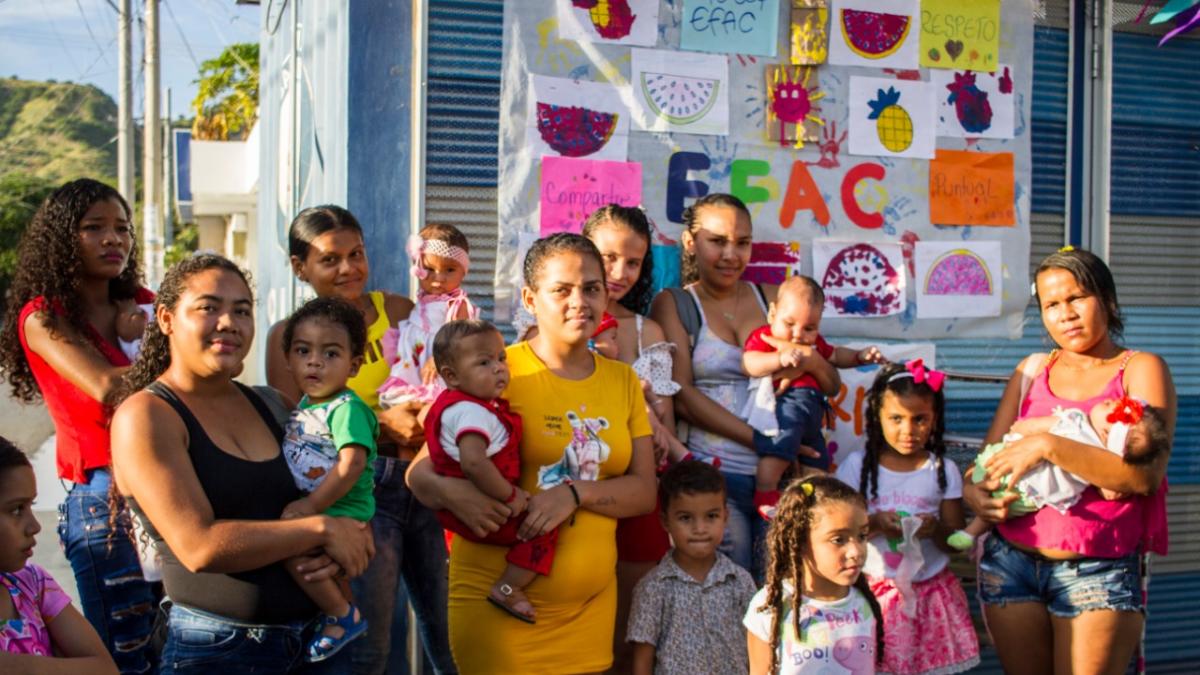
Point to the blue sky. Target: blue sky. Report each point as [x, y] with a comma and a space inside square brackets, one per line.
[50, 39]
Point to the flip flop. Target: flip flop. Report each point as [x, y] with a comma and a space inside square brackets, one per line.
[508, 591]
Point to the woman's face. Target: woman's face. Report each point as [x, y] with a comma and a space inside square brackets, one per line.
[569, 299]
[1075, 319]
[105, 240]
[623, 251]
[721, 244]
[336, 265]
[212, 325]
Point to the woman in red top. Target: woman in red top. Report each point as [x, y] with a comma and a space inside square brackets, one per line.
[77, 258]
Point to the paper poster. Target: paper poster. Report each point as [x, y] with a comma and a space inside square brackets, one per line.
[573, 188]
[957, 278]
[960, 34]
[576, 118]
[860, 279]
[616, 22]
[972, 188]
[974, 104]
[731, 27]
[849, 405]
[772, 262]
[875, 33]
[793, 112]
[808, 33]
[892, 118]
[685, 92]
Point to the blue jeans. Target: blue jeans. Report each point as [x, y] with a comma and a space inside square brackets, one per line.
[800, 412]
[200, 642]
[745, 529]
[116, 600]
[409, 545]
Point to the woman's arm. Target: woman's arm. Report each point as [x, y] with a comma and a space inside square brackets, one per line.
[978, 496]
[690, 403]
[279, 375]
[1147, 378]
[79, 650]
[397, 307]
[151, 463]
[72, 355]
[476, 510]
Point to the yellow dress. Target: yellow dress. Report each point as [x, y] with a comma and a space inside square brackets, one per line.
[374, 369]
[581, 427]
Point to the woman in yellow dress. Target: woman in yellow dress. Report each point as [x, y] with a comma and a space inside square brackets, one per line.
[587, 458]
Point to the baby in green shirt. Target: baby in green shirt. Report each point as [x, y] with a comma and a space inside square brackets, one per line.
[330, 446]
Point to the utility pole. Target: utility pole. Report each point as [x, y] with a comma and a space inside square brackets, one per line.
[125, 102]
[152, 155]
[168, 175]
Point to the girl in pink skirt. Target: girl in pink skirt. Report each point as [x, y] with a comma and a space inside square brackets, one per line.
[914, 500]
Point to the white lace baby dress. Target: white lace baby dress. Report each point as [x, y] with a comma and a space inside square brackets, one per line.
[411, 341]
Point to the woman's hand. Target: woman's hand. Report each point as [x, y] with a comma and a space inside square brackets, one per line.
[546, 511]
[1017, 458]
[476, 510]
[350, 543]
[978, 497]
[401, 426]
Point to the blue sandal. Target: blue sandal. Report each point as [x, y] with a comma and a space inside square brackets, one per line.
[323, 646]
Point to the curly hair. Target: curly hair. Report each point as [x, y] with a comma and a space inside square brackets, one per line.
[332, 310]
[788, 542]
[691, 217]
[11, 456]
[893, 378]
[49, 266]
[155, 356]
[637, 300]
[689, 477]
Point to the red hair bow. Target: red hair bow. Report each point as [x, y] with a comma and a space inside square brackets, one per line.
[1128, 410]
[929, 376]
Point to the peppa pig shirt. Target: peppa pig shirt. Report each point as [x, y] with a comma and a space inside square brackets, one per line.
[836, 638]
[907, 493]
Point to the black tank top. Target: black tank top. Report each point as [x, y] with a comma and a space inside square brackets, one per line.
[237, 489]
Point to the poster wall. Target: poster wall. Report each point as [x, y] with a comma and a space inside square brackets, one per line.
[791, 147]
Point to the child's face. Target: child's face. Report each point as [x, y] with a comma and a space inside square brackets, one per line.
[907, 422]
[480, 366]
[336, 265]
[796, 318]
[696, 523]
[837, 549]
[623, 251]
[18, 526]
[320, 358]
[606, 343]
[442, 275]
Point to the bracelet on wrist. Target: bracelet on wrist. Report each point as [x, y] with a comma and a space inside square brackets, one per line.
[574, 493]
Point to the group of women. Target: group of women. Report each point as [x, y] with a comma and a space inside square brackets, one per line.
[196, 456]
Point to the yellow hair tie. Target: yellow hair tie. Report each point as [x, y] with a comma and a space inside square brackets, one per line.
[1066, 249]
[807, 489]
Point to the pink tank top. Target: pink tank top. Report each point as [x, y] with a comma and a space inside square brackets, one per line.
[1094, 527]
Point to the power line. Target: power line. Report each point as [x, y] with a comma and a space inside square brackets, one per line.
[54, 27]
[88, 24]
[171, 13]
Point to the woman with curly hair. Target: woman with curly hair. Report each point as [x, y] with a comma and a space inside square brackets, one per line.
[77, 259]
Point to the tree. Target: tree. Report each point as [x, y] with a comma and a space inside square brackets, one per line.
[226, 104]
[20, 196]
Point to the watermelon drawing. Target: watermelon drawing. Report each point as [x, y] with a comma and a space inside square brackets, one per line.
[572, 131]
[958, 272]
[860, 281]
[874, 35]
[678, 99]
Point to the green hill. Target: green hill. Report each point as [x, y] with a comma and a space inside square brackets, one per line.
[57, 130]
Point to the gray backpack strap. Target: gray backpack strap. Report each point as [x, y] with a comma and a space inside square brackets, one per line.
[689, 314]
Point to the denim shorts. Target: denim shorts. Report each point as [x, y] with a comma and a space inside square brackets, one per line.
[1068, 588]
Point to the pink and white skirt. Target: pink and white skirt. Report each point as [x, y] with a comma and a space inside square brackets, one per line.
[939, 640]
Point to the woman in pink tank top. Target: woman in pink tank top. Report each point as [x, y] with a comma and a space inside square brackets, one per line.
[1061, 591]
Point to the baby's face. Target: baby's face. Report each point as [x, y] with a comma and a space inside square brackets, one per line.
[796, 318]
[442, 275]
[1099, 417]
[606, 343]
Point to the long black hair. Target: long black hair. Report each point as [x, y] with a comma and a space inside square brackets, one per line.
[896, 379]
[637, 300]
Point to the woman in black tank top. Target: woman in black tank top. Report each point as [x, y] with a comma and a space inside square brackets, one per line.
[198, 456]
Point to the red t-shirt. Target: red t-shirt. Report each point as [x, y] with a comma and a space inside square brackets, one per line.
[80, 421]
[757, 343]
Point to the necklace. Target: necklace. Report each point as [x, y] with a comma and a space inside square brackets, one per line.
[737, 299]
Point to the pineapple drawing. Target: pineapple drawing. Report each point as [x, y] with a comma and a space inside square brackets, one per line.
[892, 122]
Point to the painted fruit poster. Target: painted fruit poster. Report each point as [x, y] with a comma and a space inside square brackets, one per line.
[576, 118]
[860, 279]
[808, 33]
[683, 92]
[960, 34]
[892, 118]
[793, 105]
[957, 279]
[974, 104]
[772, 262]
[728, 27]
[617, 22]
[874, 33]
[571, 189]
